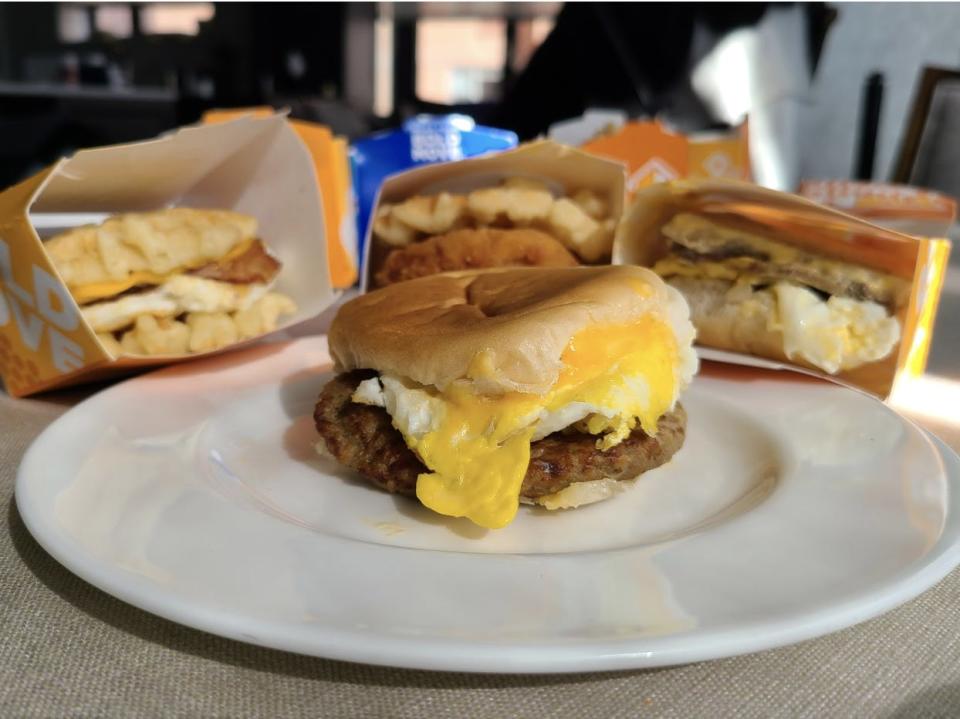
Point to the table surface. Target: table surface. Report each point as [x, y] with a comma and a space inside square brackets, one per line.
[69, 648]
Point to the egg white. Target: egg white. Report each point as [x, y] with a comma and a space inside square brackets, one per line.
[416, 411]
[834, 334]
[179, 294]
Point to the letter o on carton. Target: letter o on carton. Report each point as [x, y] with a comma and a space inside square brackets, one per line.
[53, 300]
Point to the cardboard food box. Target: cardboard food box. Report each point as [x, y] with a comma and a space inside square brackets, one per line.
[332, 166]
[421, 140]
[563, 169]
[258, 166]
[919, 261]
[653, 153]
[912, 210]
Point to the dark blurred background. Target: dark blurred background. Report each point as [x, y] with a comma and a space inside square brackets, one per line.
[832, 84]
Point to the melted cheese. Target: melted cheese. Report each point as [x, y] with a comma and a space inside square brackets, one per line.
[98, 290]
[477, 447]
[731, 269]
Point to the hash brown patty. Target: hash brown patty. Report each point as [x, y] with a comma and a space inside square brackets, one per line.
[470, 249]
[363, 438]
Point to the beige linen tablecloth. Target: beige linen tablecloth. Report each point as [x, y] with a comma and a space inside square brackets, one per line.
[67, 648]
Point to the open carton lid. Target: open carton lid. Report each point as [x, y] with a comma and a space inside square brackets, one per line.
[562, 168]
[922, 261]
[256, 166]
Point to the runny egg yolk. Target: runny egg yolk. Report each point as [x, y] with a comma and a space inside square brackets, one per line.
[479, 451]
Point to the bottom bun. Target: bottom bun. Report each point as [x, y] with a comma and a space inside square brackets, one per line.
[580, 494]
[731, 320]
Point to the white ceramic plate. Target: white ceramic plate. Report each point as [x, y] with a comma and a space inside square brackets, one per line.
[795, 508]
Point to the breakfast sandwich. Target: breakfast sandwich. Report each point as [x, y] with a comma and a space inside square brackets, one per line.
[477, 390]
[545, 230]
[172, 281]
[826, 305]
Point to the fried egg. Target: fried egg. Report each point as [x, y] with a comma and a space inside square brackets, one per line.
[477, 447]
[176, 296]
[833, 334]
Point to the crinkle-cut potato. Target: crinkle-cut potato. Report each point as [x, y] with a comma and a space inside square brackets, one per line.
[179, 294]
[110, 343]
[263, 315]
[159, 242]
[590, 239]
[432, 214]
[581, 222]
[130, 345]
[520, 205]
[201, 331]
[591, 203]
[156, 336]
[389, 229]
[210, 331]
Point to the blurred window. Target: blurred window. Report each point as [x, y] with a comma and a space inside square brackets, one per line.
[175, 18]
[453, 53]
[460, 60]
[73, 23]
[383, 63]
[114, 19]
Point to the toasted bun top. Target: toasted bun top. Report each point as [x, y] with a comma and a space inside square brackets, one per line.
[159, 243]
[503, 330]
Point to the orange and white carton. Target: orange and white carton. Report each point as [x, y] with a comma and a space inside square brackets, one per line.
[912, 210]
[258, 166]
[920, 260]
[561, 168]
[653, 153]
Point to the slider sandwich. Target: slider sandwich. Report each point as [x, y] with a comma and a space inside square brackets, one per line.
[477, 390]
[171, 282]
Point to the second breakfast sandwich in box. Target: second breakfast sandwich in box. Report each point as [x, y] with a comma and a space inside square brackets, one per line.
[150, 253]
[540, 205]
[773, 275]
[171, 281]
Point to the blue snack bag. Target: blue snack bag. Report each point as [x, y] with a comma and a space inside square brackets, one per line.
[421, 140]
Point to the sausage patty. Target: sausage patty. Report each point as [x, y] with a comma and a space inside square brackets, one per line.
[255, 264]
[363, 438]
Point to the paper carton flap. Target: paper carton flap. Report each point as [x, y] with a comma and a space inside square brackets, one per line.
[145, 175]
